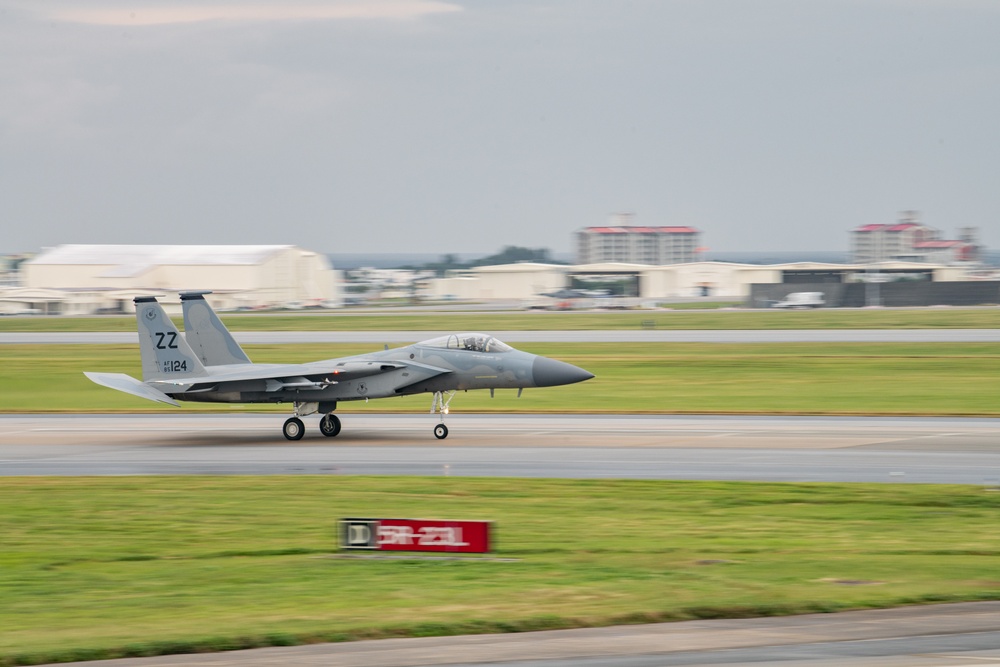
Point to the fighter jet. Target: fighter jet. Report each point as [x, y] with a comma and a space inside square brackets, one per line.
[206, 364]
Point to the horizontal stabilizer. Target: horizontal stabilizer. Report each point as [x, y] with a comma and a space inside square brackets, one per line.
[129, 385]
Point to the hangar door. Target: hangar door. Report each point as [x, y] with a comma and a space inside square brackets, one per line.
[805, 276]
[616, 284]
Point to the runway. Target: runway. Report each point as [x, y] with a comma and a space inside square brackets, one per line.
[377, 338]
[778, 449]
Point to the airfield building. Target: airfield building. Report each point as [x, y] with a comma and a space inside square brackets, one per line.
[909, 240]
[642, 282]
[637, 245]
[83, 279]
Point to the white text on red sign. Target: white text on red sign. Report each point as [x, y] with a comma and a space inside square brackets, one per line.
[428, 536]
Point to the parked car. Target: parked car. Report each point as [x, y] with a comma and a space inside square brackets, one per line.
[801, 300]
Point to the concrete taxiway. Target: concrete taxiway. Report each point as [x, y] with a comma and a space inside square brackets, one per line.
[931, 636]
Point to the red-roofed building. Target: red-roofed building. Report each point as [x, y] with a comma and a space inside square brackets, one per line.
[871, 228]
[910, 241]
[637, 245]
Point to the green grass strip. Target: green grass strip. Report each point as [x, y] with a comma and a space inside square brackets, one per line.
[689, 378]
[96, 568]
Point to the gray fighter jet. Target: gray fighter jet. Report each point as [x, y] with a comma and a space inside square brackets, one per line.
[206, 364]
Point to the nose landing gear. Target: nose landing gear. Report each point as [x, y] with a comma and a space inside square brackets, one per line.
[440, 405]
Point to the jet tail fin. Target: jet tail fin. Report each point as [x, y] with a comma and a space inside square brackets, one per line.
[165, 353]
[207, 335]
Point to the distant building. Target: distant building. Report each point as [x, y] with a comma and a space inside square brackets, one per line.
[725, 280]
[637, 245]
[10, 276]
[523, 280]
[79, 279]
[908, 240]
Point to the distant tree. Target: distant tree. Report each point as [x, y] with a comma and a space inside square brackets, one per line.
[447, 263]
[511, 254]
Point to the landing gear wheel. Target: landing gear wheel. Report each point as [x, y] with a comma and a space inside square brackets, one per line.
[440, 431]
[293, 429]
[329, 425]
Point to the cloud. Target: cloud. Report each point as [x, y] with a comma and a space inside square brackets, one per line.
[148, 15]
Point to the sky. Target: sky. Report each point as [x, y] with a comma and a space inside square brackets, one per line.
[441, 126]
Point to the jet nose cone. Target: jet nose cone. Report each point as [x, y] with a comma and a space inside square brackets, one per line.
[549, 372]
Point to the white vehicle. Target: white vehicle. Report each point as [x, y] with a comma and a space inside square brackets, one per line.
[802, 300]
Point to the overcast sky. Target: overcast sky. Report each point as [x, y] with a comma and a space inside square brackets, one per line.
[440, 126]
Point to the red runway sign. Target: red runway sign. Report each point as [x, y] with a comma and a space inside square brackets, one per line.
[416, 535]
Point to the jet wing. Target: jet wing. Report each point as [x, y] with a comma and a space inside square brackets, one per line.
[319, 371]
[130, 385]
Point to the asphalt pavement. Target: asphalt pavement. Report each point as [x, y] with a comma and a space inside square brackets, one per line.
[779, 449]
[929, 636]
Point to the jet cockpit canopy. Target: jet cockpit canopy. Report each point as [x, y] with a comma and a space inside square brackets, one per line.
[476, 342]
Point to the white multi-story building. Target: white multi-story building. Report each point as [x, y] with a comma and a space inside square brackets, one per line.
[637, 245]
[908, 240]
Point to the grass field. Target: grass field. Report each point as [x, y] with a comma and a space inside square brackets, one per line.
[789, 378]
[922, 318]
[110, 567]
[103, 567]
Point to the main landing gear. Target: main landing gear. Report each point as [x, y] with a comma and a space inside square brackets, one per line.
[440, 404]
[293, 429]
[329, 425]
